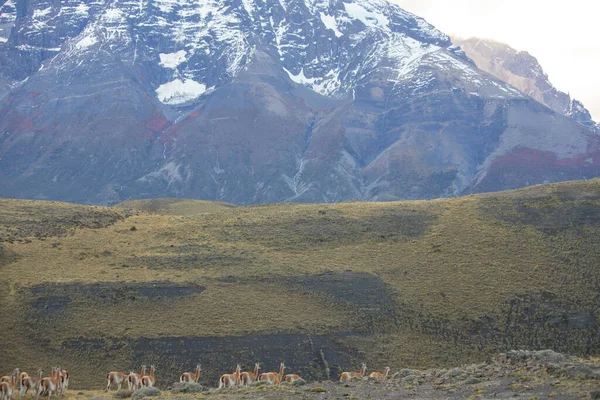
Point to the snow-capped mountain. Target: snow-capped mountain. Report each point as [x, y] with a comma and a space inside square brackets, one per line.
[253, 101]
[523, 71]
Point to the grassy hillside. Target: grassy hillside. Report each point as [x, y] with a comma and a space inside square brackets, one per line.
[175, 206]
[406, 284]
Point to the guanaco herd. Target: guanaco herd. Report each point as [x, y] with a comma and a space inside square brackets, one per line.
[58, 383]
[238, 378]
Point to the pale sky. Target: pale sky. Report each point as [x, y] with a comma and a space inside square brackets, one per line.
[563, 35]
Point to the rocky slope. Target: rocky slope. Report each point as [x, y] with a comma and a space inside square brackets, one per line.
[516, 374]
[522, 71]
[260, 101]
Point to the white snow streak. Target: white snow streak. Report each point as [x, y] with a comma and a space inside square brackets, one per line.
[369, 18]
[86, 42]
[179, 92]
[330, 23]
[172, 60]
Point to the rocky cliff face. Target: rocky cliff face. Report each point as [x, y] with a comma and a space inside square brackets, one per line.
[521, 70]
[253, 101]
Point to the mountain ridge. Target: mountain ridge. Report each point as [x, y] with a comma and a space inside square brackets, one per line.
[262, 101]
[523, 71]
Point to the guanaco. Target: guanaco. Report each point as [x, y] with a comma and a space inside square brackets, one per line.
[49, 385]
[64, 379]
[380, 375]
[9, 378]
[291, 378]
[273, 378]
[134, 381]
[348, 376]
[22, 376]
[115, 379]
[30, 383]
[7, 388]
[191, 377]
[6, 391]
[250, 377]
[149, 380]
[231, 380]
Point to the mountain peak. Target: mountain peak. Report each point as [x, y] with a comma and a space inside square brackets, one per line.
[523, 71]
[252, 101]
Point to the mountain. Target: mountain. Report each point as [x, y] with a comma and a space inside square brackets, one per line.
[258, 101]
[523, 71]
[410, 284]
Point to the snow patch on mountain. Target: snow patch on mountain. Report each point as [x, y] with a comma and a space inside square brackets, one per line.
[8, 12]
[249, 7]
[330, 23]
[368, 18]
[300, 78]
[179, 92]
[172, 60]
[42, 13]
[87, 41]
[82, 9]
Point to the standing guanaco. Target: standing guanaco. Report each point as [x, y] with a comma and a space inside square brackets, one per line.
[117, 379]
[22, 376]
[30, 383]
[149, 380]
[134, 381]
[231, 380]
[249, 377]
[7, 388]
[9, 378]
[49, 385]
[273, 378]
[191, 377]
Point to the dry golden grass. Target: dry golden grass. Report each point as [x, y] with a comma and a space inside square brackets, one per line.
[454, 265]
[175, 206]
[203, 315]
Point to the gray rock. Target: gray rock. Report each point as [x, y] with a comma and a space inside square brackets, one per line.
[405, 372]
[145, 392]
[185, 387]
[453, 373]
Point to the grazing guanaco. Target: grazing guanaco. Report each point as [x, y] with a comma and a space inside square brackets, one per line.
[348, 376]
[273, 378]
[149, 380]
[250, 377]
[380, 375]
[116, 379]
[134, 381]
[291, 378]
[191, 377]
[231, 380]
[29, 383]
